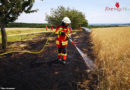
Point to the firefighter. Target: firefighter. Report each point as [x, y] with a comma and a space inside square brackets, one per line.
[63, 34]
[46, 28]
[51, 27]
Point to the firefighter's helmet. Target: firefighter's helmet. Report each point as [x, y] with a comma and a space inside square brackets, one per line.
[66, 20]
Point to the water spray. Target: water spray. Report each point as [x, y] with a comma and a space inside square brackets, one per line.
[87, 60]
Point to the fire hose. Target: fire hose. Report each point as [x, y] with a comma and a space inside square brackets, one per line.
[26, 51]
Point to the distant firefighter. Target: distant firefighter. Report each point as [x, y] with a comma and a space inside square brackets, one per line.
[51, 27]
[46, 28]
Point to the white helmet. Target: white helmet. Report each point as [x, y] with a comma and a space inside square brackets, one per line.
[66, 20]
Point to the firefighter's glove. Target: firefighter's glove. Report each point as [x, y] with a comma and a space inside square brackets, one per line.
[68, 38]
[62, 33]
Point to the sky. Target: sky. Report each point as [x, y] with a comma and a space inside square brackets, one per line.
[94, 10]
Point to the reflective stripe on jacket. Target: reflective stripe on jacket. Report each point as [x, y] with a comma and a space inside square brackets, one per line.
[62, 39]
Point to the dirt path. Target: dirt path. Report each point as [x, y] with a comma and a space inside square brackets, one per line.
[32, 72]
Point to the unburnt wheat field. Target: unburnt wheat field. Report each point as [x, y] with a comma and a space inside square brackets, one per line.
[112, 51]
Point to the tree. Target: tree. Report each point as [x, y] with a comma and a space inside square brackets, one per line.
[9, 12]
[77, 18]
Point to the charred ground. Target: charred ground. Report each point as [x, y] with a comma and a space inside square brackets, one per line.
[31, 71]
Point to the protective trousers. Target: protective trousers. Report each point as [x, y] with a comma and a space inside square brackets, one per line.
[62, 52]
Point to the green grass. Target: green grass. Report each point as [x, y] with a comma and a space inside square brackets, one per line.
[20, 38]
[17, 32]
[14, 31]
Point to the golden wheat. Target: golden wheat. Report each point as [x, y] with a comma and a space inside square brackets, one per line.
[112, 51]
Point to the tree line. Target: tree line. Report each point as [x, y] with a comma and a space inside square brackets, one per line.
[28, 25]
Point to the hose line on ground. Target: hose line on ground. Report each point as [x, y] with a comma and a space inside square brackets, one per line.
[26, 51]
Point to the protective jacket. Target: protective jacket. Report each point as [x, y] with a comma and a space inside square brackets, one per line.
[63, 33]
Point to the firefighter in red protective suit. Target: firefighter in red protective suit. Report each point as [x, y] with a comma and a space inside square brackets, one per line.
[63, 34]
